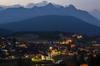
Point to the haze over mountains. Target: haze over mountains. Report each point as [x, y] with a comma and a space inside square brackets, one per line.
[30, 5]
[95, 13]
[12, 6]
[17, 14]
[43, 3]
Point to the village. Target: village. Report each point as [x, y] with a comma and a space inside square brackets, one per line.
[13, 49]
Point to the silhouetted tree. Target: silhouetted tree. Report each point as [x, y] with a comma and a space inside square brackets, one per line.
[62, 64]
[0, 42]
[76, 61]
[20, 62]
[91, 60]
[97, 60]
[82, 61]
[14, 39]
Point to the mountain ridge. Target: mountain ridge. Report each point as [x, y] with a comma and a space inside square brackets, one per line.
[17, 14]
[53, 23]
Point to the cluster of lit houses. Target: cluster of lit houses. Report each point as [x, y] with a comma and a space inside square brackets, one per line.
[44, 50]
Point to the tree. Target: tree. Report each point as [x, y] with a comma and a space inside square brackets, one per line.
[82, 61]
[22, 62]
[76, 61]
[14, 40]
[97, 60]
[91, 60]
[45, 55]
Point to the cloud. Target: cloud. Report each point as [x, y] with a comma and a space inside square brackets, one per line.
[13, 6]
[43, 3]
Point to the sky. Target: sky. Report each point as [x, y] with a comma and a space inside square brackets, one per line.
[80, 4]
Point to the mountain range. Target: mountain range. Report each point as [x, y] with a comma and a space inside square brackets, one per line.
[53, 23]
[50, 17]
[21, 13]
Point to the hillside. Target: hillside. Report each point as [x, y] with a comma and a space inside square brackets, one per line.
[53, 23]
[4, 31]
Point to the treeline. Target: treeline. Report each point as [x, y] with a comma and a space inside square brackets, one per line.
[52, 35]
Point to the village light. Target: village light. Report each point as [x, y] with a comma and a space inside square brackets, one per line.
[50, 47]
[84, 65]
[13, 57]
[26, 56]
[33, 59]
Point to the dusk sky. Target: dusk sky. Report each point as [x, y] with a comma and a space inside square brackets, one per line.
[80, 4]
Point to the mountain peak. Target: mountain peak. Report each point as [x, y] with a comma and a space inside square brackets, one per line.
[72, 7]
[50, 5]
